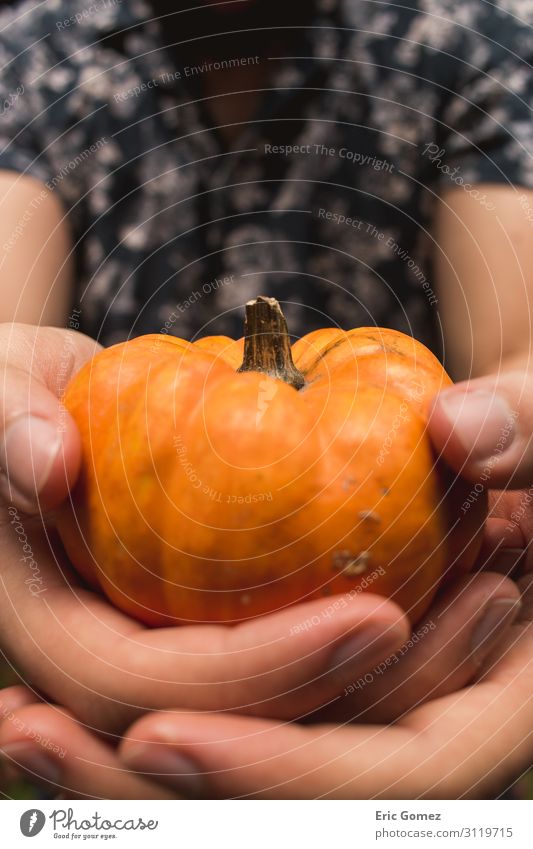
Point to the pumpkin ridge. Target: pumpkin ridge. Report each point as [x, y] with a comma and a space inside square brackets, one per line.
[325, 351]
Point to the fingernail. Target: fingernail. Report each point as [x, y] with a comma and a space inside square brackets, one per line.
[495, 619]
[33, 761]
[368, 646]
[482, 422]
[27, 453]
[166, 765]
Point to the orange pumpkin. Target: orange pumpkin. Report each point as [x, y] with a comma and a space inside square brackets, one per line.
[213, 493]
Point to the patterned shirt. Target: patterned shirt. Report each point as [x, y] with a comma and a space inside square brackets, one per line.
[324, 201]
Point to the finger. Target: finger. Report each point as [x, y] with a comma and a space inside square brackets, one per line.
[206, 756]
[483, 429]
[510, 655]
[55, 751]
[39, 442]
[442, 655]
[264, 667]
[288, 663]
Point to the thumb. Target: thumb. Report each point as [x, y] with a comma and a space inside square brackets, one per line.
[39, 441]
[483, 429]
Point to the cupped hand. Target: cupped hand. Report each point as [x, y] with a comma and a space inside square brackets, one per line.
[445, 653]
[468, 744]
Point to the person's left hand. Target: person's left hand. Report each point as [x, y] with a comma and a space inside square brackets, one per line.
[469, 743]
[456, 637]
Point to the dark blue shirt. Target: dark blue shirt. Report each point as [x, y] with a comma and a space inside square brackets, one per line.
[325, 200]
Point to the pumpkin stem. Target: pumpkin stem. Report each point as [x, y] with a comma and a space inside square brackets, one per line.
[267, 347]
